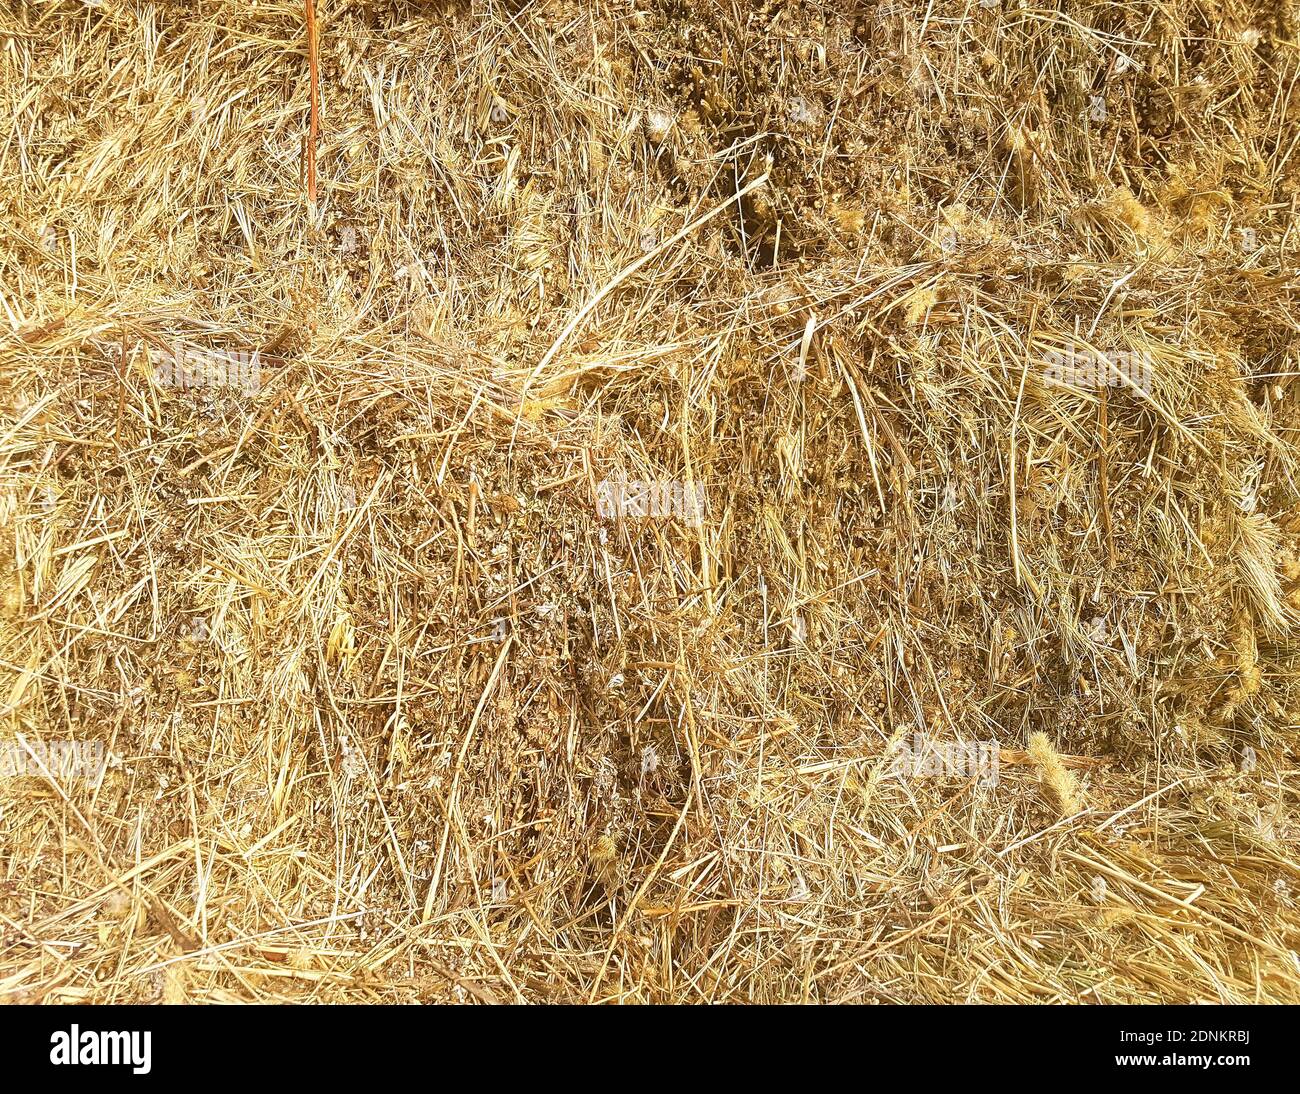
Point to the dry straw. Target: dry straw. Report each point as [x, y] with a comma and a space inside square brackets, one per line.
[392, 712]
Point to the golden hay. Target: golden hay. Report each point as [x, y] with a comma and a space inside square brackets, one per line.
[314, 515]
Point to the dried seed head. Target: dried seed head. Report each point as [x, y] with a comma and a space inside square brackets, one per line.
[658, 124]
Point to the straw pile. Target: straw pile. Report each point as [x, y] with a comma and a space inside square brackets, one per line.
[301, 521]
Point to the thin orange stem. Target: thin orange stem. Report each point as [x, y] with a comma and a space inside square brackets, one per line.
[315, 95]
